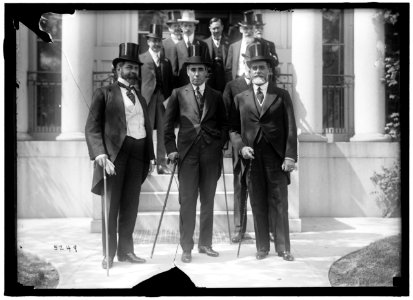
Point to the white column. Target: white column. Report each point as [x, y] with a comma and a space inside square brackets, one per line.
[369, 96]
[22, 66]
[78, 40]
[307, 62]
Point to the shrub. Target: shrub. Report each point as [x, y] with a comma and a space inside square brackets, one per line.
[388, 198]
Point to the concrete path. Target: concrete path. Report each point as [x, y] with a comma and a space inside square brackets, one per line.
[321, 242]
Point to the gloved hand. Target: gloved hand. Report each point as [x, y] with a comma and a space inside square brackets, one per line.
[104, 162]
[173, 157]
[288, 165]
[247, 152]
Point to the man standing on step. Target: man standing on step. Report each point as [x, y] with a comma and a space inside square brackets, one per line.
[119, 138]
[156, 88]
[263, 131]
[203, 131]
[233, 88]
[169, 44]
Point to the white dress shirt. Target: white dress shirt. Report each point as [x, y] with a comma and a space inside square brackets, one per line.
[155, 56]
[190, 38]
[264, 89]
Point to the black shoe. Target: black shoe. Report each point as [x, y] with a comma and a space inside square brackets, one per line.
[163, 169]
[208, 251]
[239, 236]
[271, 237]
[104, 263]
[131, 257]
[186, 257]
[286, 255]
[261, 255]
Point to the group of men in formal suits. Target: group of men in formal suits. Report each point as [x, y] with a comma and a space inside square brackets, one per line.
[214, 91]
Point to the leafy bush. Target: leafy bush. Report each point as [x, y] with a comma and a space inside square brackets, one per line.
[388, 198]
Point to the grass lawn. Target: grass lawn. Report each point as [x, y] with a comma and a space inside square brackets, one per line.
[374, 265]
[32, 271]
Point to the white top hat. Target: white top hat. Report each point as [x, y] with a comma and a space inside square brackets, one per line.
[188, 16]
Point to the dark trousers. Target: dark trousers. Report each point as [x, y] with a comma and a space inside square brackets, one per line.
[267, 186]
[198, 172]
[240, 194]
[156, 111]
[123, 191]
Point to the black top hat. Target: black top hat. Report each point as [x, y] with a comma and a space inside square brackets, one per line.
[258, 20]
[128, 52]
[258, 51]
[195, 57]
[248, 19]
[155, 31]
[173, 17]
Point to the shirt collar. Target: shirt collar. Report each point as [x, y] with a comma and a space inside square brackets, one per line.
[263, 87]
[191, 38]
[201, 88]
[154, 54]
[121, 80]
[247, 80]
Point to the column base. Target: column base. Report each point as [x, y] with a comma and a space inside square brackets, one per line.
[370, 137]
[312, 137]
[23, 136]
[71, 136]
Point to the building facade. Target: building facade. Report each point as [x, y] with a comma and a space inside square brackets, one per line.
[330, 61]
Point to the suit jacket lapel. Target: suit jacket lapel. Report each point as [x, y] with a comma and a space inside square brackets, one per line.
[270, 98]
[117, 97]
[209, 43]
[206, 102]
[250, 102]
[190, 95]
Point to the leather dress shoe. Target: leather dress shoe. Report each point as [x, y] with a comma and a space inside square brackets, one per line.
[104, 263]
[261, 255]
[208, 251]
[163, 169]
[239, 236]
[186, 257]
[131, 257]
[286, 255]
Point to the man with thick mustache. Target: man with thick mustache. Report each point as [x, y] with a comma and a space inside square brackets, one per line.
[119, 139]
[264, 132]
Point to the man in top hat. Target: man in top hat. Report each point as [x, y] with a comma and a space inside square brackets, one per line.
[156, 88]
[203, 131]
[235, 61]
[263, 131]
[258, 33]
[183, 47]
[169, 48]
[218, 49]
[233, 88]
[119, 138]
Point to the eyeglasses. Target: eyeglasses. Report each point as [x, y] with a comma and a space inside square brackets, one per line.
[260, 67]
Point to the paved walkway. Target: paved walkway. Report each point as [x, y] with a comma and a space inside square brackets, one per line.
[321, 242]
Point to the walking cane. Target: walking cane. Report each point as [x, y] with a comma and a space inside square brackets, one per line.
[226, 202]
[244, 215]
[164, 205]
[105, 203]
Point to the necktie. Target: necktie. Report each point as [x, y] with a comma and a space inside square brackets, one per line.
[129, 93]
[189, 48]
[157, 60]
[199, 99]
[260, 95]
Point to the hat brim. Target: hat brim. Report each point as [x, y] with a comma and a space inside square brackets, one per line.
[185, 64]
[245, 24]
[117, 60]
[269, 60]
[149, 35]
[188, 21]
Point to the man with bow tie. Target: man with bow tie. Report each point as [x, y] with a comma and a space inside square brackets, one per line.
[119, 139]
[183, 47]
[218, 49]
[264, 132]
[157, 80]
[203, 131]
